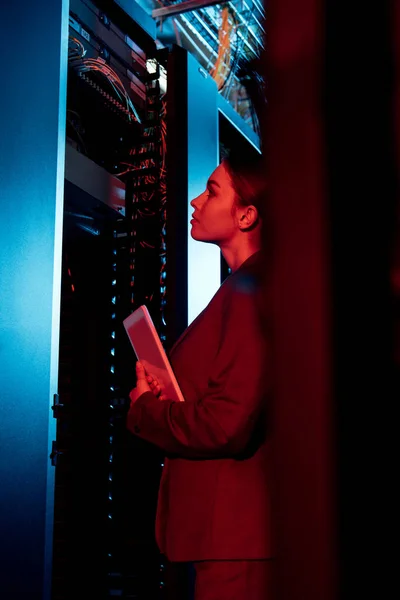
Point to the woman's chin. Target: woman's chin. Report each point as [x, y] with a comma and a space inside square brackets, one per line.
[195, 234]
[200, 236]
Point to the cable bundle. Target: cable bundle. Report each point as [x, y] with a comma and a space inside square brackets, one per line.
[76, 57]
[221, 69]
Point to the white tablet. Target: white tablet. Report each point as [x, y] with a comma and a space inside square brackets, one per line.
[150, 352]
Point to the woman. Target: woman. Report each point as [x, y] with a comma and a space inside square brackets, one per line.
[213, 507]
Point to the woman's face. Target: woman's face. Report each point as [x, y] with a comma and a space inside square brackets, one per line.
[215, 218]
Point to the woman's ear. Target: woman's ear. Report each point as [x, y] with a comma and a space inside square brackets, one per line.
[248, 217]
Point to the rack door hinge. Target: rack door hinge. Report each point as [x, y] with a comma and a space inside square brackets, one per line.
[57, 407]
[55, 453]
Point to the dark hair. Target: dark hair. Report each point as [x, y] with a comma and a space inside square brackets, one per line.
[249, 181]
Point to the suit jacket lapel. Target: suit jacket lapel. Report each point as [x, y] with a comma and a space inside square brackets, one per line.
[184, 334]
[247, 262]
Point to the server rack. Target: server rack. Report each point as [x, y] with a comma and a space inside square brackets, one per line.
[112, 260]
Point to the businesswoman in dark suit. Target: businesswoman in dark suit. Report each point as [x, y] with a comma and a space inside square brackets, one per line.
[213, 506]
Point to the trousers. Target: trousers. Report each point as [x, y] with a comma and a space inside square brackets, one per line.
[233, 580]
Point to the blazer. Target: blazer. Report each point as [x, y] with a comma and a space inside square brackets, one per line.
[214, 500]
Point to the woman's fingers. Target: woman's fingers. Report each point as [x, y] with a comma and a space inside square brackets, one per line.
[155, 387]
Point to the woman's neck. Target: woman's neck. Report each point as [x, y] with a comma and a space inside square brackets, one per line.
[235, 257]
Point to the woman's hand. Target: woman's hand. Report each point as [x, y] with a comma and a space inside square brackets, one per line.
[156, 387]
[145, 382]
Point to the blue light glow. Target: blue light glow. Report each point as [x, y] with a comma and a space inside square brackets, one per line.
[204, 265]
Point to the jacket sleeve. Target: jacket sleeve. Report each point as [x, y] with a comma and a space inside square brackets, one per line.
[222, 422]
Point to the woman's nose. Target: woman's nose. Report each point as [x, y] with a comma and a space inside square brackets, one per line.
[197, 202]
